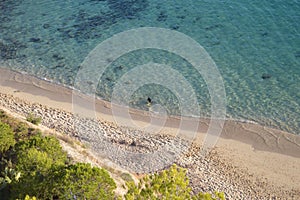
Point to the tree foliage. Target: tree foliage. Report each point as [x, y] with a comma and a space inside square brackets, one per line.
[27, 197]
[82, 181]
[168, 184]
[48, 145]
[7, 139]
[37, 158]
[37, 167]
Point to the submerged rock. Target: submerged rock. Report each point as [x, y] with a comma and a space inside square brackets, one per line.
[35, 40]
[45, 26]
[162, 16]
[8, 51]
[127, 8]
[175, 27]
[57, 57]
[266, 76]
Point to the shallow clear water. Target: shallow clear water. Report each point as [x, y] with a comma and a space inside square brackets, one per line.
[246, 39]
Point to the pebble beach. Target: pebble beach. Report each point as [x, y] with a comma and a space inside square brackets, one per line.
[232, 166]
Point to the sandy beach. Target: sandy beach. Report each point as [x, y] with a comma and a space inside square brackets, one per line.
[249, 161]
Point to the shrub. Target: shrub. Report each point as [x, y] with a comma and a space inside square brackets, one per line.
[33, 119]
[21, 131]
[126, 177]
[168, 184]
[37, 158]
[82, 181]
[48, 144]
[6, 137]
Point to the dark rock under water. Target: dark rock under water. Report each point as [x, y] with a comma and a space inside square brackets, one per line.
[35, 40]
[88, 27]
[8, 50]
[266, 76]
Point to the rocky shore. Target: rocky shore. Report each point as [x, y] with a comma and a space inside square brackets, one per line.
[141, 152]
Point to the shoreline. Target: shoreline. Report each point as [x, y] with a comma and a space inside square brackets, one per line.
[50, 82]
[260, 152]
[34, 89]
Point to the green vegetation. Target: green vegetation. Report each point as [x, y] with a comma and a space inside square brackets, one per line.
[30, 198]
[7, 139]
[168, 184]
[85, 182]
[33, 166]
[126, 177]
[33, 119]
[37, 159]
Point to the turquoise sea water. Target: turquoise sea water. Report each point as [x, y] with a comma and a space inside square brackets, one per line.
[246, 39]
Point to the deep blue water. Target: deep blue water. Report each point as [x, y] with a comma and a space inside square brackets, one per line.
[246, 39]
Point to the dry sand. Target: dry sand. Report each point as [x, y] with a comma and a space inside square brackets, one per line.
[260, 152]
